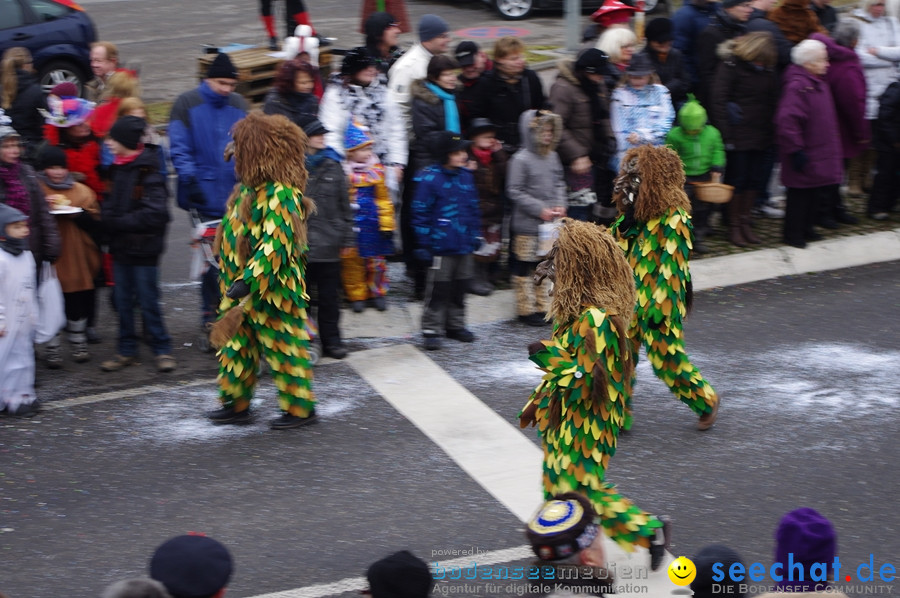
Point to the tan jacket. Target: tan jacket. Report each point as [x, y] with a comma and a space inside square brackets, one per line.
[79, 258]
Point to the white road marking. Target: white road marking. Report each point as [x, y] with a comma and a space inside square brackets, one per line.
[128, 393]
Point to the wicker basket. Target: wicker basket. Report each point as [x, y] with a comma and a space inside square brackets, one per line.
[713, 192]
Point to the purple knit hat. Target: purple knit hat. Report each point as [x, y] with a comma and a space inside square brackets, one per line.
[810, 538]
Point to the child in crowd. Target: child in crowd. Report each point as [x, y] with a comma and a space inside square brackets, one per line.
[67, 127]
[700, 147]
[330, 230]
[447, 224]
[640, 110]
[489, 167]
[79, 259]
[537, 189]
[18, 315]
[363, 268]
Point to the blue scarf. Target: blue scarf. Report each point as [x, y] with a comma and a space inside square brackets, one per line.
[451, 112]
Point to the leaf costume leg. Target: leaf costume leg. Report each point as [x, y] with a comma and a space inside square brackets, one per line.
[284, 341]
[238, 365]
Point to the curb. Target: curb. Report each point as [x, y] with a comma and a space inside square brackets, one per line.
[707, 273]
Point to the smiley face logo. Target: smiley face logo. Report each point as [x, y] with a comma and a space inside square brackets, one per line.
[682, 571]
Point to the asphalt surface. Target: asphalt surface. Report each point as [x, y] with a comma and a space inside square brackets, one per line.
[806, 367]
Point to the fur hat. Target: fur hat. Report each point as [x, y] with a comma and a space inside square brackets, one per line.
[612, 12]
[357, 137]
[806, 537]
[659, 30]
[400, 575]
[128, 131]
[431, 26]
[355, 60]
[562, 527]
[191, 566]
[51, 155]
[221, 68]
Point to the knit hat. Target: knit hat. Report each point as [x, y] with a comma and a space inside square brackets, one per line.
[692, 116]
[465, 53]
[732, 3]
[639, 66]
[6, 129]
[221, 68]
[357, 137]
[659, 30]
[446, 143]
[314, 127]
[612, 12]
[65, 112]
[806, 537]
[431, 26]
[592, 61]
[191, 566]
[376, 25]
[355, 60]
[400, 575]
[66, 89]
[702, 586]
[564, 526]
[128, 131]
[8, 215]
[481, 125]
[51, 155]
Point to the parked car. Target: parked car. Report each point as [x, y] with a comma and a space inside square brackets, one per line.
[58, 33]
[515, 10]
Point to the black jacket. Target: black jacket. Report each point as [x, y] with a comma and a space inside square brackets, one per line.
[759, 22]
[26, 120]
[887, 126]
[743, 102]
[723, 28]
[502, 103]
[299, 108]
[672, 74]
[428, 121]
[136, 212]
[331, 226]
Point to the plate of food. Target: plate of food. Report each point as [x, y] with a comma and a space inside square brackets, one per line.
[61, 210]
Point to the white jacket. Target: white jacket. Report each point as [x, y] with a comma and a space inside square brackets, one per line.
[409, 67]
[371, 107]
[883, 34]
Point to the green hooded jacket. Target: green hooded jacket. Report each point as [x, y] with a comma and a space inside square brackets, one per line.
[702, 151]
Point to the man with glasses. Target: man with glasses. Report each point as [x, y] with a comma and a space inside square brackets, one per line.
[199, 129]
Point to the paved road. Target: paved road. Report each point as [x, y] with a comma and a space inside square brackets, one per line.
[806, 365]
[166, 37]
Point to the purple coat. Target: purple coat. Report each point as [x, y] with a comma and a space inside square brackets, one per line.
[806, 121]
[848, 89]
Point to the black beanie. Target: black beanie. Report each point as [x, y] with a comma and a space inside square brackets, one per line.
[128, 131]
[222, 68]
[659, 30]
[376, 25]
[51, 155]
[356, 60]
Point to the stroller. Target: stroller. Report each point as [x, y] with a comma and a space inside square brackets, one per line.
[203, 239]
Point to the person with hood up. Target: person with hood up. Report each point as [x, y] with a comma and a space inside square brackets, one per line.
[700, 147]
[536, 186]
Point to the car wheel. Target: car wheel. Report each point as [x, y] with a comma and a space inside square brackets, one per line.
[514, 10]
[59, 71]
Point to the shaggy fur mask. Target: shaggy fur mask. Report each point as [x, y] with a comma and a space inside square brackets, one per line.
[651, 179]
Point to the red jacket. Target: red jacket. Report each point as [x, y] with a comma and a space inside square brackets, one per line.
[83, 158]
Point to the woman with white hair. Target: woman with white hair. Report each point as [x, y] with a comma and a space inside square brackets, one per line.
[808, 138]
[619, 44]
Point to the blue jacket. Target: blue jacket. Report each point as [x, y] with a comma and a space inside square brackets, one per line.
[445, 214]
[687, 23]
[199, 129]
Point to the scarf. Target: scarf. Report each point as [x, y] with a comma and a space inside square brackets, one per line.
[13, 190]
[482, 155]
[451, 112]
[121, 160]
[14, 246]
[68, 183]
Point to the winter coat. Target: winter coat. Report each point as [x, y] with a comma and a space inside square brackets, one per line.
[881, 70]
[647, 111]
[572, 103]
[886, 128]
[465, 99]
[848, 90]
[330, 228]
[759, 22]
[723, 28]
[699, 153]
[199, 129]
[502, 102]
[24, 112]
[688, 23]
[671, 73]
[373, 211]
[534, 176]
[299, 108]
[83, 158]
[445, 214]
[827, 16]
[370, 106]
[429, 122]
[409, 67]
[490, 180]
[43, 239]
[743, 102]
[136, 212]
[806, 121]
[79, 258]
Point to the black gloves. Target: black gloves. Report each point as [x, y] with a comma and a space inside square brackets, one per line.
[799, 160]
[238, 289]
